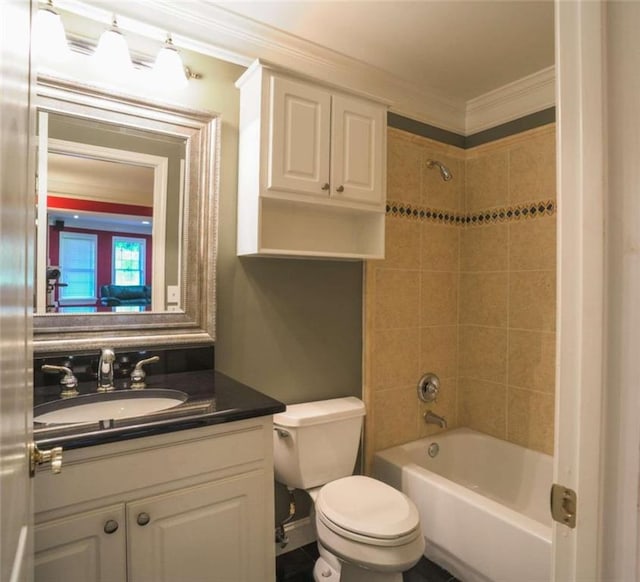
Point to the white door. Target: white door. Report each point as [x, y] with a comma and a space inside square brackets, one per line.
[299, 138]
[16, 300]
[581, 195]
[358, 158]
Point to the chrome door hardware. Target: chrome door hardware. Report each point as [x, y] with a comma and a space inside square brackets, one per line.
[428, 387]
[564, 505]
[38, 457]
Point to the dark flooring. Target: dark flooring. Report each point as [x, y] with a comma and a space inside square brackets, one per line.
[297, 566]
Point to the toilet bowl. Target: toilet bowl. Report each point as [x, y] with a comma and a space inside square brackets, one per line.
[367, 531]
[369, 527]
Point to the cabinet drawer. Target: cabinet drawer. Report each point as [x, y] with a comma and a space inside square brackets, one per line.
[112, 472]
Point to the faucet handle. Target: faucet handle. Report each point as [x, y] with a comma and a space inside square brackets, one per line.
[68, 382]
[138, 375]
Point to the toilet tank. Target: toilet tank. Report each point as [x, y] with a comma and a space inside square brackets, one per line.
[317, 442]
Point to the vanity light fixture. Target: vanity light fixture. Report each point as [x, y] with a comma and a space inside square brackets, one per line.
[49, 34]
[169, 67]
[112, 52]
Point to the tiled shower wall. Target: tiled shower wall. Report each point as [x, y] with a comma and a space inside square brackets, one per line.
[467, 290]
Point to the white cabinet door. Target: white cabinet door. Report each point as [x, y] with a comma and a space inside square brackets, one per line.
[357, 150]
[79, 548]
[213, 532]
[299, 138]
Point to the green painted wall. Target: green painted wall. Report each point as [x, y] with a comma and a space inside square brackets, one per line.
[289, 328]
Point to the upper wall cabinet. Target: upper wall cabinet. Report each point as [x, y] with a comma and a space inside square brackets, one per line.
[312, 169]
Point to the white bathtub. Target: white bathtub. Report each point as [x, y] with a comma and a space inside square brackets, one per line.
[483, 502]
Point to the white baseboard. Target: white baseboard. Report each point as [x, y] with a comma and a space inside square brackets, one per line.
[300, 533]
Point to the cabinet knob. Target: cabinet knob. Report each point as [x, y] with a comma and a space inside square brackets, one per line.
[143, 518]
[325, 186]
[111, 526]
[340, 189]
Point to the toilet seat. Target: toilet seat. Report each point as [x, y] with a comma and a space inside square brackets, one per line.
[364, 510]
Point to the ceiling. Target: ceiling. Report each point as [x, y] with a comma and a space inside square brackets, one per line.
[459, 49]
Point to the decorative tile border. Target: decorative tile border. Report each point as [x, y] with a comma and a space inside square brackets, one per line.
[494, 215]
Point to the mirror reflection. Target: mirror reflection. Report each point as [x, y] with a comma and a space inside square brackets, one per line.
[109, 208]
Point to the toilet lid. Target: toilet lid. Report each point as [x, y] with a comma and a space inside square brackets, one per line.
[368, 507]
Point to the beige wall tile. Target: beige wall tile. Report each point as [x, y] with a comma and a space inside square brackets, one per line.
[532, 244]
[487, 181]
[439, 351]
[532, 169]
[395, 417]
[438, 298]
[395, 357]
[436, 193]
[484, 248]
[397, 298]
[483, 299]
[531, 419]
[445, 405]
[532, 360]
[482, 406]
[483, 353]
[532, 300]
[402, 243]
[440, 247]
[404, 170]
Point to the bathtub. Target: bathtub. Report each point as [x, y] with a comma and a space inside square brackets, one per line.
[483, 503]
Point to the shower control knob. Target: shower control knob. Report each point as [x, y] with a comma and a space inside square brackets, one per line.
[428, 387]
[143, 518]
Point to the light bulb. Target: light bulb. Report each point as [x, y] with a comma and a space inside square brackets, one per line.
[50, 40]
[168, 68]
[112, 53]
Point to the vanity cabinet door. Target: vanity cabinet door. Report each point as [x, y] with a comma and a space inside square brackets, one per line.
[211, 532]
[85, 547]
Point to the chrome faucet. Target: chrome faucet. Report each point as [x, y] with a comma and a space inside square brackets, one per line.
[433, 418]
[105, 370]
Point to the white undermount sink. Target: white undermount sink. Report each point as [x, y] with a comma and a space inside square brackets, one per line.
[108, 405]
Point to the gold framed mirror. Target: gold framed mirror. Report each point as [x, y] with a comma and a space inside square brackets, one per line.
[126, 220]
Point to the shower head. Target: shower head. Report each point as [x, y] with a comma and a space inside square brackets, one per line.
[444, 171]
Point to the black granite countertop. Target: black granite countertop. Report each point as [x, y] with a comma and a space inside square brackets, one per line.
[213, 398]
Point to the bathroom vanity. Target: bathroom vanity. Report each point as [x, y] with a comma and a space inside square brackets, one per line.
[182, 494]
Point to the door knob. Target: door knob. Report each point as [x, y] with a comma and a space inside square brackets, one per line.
[111, 526]
[38, 457]
[143, 518]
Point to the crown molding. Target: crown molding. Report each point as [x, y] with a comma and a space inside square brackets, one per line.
[204, 27]
[513, 101]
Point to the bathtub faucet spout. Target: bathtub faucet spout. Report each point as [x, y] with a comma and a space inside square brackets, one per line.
[433, 418]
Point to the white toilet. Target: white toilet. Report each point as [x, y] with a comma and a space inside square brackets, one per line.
[367, 531]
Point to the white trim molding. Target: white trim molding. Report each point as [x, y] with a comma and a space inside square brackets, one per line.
[528, 95]
[204, 27]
